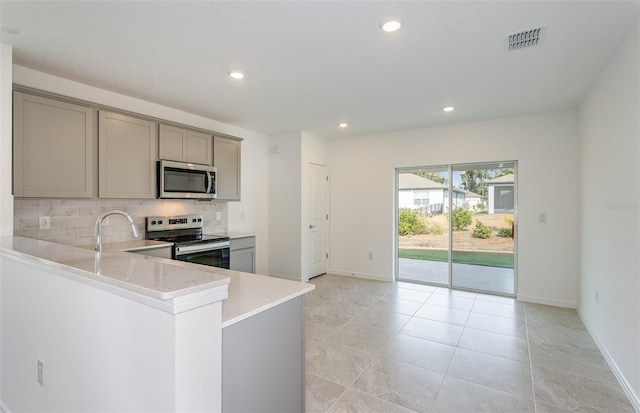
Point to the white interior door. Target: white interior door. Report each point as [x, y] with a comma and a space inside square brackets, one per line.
[318, 220]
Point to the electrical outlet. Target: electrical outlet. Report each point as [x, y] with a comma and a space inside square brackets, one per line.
[542, 218]
[41, 372]
[218, 216]
[45, 222]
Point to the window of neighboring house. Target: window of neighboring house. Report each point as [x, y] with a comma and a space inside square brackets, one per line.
[503, 196]
[420, 198]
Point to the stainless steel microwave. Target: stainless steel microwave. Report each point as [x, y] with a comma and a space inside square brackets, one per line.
[186, 180]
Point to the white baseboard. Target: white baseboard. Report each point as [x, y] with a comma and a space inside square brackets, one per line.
[546, 301]
[628, 390]
[360, 275]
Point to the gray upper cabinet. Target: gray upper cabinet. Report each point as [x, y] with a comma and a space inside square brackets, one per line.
[227, 160]
[53, 144]
[127, 156]
[177, 144]
[172, 143]
[199, 148]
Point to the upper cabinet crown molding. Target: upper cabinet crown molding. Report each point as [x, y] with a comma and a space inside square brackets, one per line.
[53, 147]
[127, 156]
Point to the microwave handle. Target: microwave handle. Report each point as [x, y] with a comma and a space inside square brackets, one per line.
[209, 182]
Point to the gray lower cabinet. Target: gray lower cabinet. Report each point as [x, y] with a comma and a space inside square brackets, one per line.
[53, 147]
[127, 156]
[243, 254]
[227, 160]
[263, 361]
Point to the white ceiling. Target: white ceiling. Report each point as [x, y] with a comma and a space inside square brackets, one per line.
[312, 64]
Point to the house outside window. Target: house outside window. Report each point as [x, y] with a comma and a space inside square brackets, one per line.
[501, 195]
[420, 198]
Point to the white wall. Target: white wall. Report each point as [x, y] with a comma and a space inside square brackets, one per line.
[249, 215]
[102, 352]
[610, 223]
[6, 139]
[289, 180]
[252, 213]
[285, 212]
[545, 147]
[314, 151]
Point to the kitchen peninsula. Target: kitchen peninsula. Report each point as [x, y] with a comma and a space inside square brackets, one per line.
[128, 332]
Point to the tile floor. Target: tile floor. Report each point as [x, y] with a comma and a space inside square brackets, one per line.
[400, 347]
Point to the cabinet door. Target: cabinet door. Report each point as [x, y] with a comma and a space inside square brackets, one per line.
[243, 254]
[127, 157]
[199, 148]
[52, 148]
[172, 143]
[243, 260]
[226, 158]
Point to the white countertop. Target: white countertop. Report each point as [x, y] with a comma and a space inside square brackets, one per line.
[248, 294]
[132, 245]
[156, 278]
[251, 294]
[235, 234]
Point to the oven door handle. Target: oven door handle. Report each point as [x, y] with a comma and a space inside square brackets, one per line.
[185, 249]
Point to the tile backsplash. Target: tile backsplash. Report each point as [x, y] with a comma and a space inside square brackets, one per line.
[72, 221]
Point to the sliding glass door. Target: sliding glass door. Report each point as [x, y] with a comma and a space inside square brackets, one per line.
[456, 226]
[423, 227]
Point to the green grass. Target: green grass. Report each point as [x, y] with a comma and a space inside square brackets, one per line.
[489, 259]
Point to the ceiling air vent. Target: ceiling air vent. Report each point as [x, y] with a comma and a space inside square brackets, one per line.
[524, 39]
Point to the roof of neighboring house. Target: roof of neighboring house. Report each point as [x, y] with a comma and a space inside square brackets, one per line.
[470, 194]
[413, 181]
[504, 179]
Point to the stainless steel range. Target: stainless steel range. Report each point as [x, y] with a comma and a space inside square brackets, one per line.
[190, 244]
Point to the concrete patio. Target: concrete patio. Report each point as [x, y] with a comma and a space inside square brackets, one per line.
[475, 277]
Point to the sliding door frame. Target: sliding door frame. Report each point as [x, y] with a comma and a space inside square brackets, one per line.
[449, 168]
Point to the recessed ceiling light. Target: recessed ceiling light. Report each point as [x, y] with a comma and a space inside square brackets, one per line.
[390, 25]
[448, 109]
[236, 75]
[7, 28]
[343, 124]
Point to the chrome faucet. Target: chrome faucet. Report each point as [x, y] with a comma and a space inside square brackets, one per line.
[99, 226]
